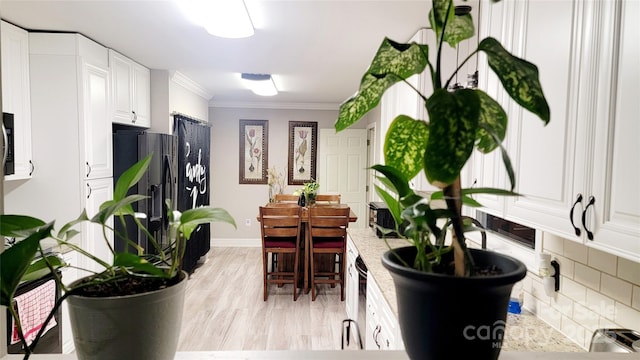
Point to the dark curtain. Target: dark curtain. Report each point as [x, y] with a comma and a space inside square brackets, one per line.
[193, 181]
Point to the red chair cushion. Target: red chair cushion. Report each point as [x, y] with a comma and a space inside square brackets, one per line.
[328, 243]
[280, 243]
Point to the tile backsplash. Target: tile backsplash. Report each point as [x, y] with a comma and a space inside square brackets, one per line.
[597, 290]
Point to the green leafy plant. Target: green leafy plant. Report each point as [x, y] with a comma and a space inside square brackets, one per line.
[459, 121]
[310, 187]
[156, 269]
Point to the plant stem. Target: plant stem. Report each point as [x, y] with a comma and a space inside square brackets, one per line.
[462, 259]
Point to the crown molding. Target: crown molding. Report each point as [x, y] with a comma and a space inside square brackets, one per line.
[273, 105]
[186, 82]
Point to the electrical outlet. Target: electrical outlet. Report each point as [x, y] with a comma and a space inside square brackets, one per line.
[247, 222]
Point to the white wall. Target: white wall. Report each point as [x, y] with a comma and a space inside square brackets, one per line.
[242, 200]
[171, 93]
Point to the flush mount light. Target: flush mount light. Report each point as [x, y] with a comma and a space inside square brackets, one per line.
[228, 18]
[260, 84]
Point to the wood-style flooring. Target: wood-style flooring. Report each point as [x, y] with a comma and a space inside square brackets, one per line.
[224, 309]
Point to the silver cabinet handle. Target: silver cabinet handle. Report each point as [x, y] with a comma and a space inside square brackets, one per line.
[135, 116]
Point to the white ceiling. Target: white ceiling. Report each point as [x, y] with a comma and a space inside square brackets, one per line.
[316, 50]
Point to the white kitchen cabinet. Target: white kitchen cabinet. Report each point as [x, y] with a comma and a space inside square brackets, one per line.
[95, 193]
[383, 331]
[97, 141]
[73, 93]
[611, 110]
[131, 87]
[70, 127]
[352, 281]
[588, 150]
[69, 275]
[542, 156]
[16, 96]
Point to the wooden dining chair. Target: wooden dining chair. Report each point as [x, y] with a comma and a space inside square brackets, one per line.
[285, 198]
[280, 230]
[328, 198]
[328, 235]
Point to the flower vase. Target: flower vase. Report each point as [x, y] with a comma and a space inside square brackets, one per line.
[310, 199]
[271, 199]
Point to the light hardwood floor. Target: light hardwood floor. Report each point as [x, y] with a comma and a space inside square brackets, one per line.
[224, 309]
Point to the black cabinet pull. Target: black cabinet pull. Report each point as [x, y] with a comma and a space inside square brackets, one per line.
[88, 191]
[575, 228]
[592, 200]
[88, 169]
[33, 167]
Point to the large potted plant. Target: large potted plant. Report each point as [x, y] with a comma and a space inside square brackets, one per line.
[130, 310]
[452, 300]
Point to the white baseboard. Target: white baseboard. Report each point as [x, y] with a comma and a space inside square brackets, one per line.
[236, 242]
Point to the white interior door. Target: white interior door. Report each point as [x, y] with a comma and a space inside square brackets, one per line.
[342, 168]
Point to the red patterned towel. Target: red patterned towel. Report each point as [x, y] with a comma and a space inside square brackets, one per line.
[33, 308]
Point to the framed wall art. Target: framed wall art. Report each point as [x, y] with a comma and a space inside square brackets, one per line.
[303, 138]
[254, 136]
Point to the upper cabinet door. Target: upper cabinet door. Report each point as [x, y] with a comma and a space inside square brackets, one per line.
[121, 85]
[544, 156]
[16, 96]
[130, 84]
[142, 95]
[98, 153]
[613, 221]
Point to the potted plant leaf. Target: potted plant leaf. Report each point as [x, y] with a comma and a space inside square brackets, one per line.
[130, 310]
[452, 300]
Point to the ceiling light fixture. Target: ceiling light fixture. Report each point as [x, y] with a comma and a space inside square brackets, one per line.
[228, 18]
[260, 84]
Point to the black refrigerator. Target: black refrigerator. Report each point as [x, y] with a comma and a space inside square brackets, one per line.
[158, 184]
[194, 140]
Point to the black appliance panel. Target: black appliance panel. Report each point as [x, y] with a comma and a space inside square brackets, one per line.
[158, 184]
[379, 214]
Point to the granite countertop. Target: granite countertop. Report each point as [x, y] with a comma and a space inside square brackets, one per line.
[524, 332]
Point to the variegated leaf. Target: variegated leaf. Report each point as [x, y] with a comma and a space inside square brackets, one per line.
[452, 133]
[492, 117]
[392, 63]
[404, 145]
[519, 78]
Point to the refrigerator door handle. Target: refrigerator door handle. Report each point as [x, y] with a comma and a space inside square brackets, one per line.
[168, 174]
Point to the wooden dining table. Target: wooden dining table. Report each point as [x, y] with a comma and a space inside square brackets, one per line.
[307, 240]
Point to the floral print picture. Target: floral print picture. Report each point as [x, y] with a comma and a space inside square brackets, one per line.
[253, 151]
[302, 151]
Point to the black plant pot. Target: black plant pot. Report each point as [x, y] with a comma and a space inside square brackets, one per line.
[448, 317]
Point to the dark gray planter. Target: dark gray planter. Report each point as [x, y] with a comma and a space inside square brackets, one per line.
[447, 317]
[142, 326]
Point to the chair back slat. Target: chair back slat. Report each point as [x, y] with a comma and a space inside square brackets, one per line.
[328, 198]
[285, 198]
[328, 221]
[280, 221]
